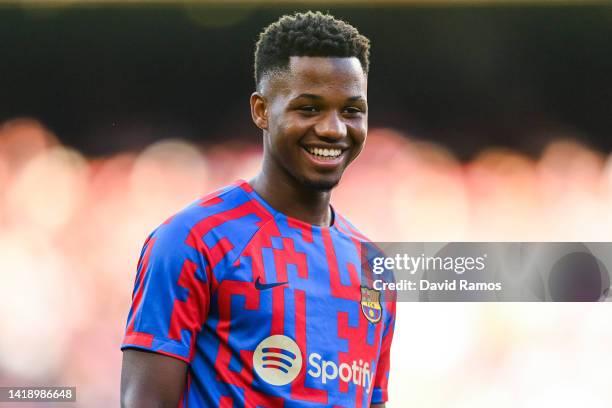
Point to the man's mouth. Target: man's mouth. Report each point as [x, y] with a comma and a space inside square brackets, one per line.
[324, 154]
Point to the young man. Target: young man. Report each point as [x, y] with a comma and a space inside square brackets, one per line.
[252, 295]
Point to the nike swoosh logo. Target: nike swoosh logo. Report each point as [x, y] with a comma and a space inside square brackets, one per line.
[264, 286]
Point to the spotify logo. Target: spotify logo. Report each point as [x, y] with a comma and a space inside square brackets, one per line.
[277, 360]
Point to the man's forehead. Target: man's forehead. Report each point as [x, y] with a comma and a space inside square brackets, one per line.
[325, 66]
[308, 74]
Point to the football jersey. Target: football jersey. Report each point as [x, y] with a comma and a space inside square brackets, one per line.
[267, 310]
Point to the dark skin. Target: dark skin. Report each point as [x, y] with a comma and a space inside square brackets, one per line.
[151, 380]
[317, 103]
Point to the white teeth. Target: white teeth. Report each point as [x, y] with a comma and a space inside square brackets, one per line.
[331, 153]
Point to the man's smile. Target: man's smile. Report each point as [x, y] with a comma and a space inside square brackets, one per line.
[325, 157]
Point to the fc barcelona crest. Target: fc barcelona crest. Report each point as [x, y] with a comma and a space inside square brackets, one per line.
[370, 304]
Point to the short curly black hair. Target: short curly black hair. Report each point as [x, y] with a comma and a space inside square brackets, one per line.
[312, 34]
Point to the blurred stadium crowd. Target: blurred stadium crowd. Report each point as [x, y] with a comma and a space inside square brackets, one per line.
[71, 229]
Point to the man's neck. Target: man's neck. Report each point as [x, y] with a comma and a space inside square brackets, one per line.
[295, 200]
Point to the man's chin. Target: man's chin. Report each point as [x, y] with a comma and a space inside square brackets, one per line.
[320, 184]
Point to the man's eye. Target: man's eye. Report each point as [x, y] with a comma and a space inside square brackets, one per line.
[351, 110]
[308, 109]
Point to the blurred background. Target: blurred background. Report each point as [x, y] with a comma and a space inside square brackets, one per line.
[489, 120]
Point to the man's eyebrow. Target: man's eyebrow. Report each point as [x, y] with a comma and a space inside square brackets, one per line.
[356, 98]
[307, 95]
[318, 97]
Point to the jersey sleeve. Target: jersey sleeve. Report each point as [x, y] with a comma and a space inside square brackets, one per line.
[381, 380]
[170, 300]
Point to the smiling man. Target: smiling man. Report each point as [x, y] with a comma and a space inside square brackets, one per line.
[251, 296]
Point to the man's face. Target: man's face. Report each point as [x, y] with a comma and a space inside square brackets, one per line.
[317, 119]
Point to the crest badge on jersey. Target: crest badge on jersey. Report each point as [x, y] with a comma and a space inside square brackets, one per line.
[370, 304]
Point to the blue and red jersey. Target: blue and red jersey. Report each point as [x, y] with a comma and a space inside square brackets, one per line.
[267, 310]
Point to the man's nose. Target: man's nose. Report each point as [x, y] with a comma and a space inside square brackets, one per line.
[331, 126]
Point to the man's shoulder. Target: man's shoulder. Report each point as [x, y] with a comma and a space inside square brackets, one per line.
[346, 227]
[230, 211]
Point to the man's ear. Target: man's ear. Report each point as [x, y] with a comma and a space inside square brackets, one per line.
[259, 110]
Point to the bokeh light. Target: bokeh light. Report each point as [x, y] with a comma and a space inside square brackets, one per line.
[71, 229]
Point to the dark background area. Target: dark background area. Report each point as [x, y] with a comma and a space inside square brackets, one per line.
[112, 78]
